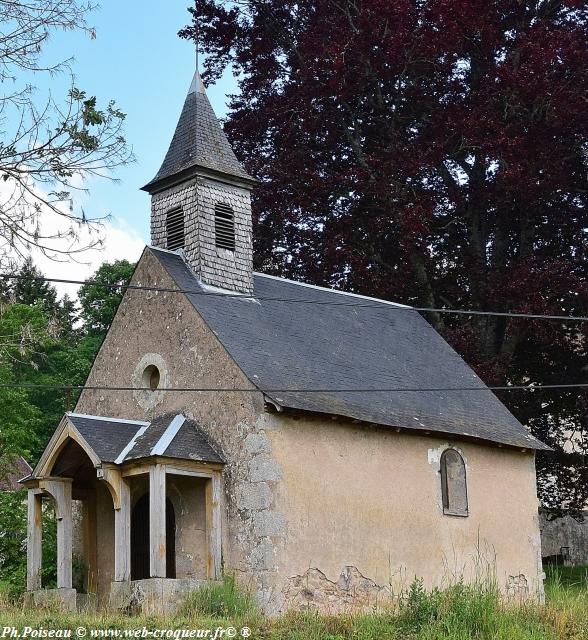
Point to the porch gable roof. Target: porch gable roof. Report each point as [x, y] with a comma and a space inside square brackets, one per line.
[116, 441]
[107, 437]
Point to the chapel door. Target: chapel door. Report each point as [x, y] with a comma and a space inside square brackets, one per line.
[140, 539]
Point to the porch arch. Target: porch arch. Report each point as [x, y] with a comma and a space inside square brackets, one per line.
[55, 447]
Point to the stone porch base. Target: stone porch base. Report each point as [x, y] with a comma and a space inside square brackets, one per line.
[161, 596]
[63, 599]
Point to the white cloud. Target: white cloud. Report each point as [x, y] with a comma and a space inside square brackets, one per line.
[119, 242]
[111, 240]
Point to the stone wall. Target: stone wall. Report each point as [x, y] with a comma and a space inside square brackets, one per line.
[217, 267]
[166, 325]
[565, 532]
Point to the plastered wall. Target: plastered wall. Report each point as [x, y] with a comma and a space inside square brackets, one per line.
[370, 499]
[188, 498]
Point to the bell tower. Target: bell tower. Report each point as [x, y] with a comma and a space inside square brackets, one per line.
[201, 199]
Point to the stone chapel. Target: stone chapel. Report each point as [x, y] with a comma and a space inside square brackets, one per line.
[323, 447]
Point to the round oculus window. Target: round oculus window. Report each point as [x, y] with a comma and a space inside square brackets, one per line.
[151, 377]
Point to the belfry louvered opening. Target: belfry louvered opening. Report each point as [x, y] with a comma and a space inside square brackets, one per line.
[224, 226]
[174, 227]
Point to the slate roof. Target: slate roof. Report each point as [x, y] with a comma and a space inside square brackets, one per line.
[109, 437]
[328, 346]
[190, 443]
[198, 141]
[106, 436]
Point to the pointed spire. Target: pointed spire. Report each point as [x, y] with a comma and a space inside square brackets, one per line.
[199, 145]
[197, 85]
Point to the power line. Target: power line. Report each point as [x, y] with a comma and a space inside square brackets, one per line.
[81, 387]
[383, 305]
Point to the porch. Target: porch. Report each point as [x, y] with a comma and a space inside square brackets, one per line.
[137, 504]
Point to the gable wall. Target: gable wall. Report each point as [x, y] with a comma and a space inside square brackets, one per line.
[164, 329]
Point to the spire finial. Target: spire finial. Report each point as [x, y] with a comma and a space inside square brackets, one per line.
[197, 85]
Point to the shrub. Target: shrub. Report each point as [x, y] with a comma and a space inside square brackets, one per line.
[13, 538]
[222, 599]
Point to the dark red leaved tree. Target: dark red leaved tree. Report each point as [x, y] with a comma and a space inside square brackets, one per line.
[431, 152]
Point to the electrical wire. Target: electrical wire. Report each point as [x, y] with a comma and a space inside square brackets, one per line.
[81, 387]
[383, 305]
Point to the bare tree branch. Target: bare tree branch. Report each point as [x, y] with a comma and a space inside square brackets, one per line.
[49, 151]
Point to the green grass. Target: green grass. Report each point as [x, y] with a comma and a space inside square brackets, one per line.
[458, 613]
[223, 600]
[573, 577]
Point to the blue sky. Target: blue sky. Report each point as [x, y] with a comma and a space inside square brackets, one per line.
[138, 60]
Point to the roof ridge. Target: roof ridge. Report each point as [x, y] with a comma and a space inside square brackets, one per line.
[168, 435]
[204, 285]
[130, 444]
[105, 418]
[330, 290]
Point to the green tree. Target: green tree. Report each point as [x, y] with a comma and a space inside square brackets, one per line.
[19, 427]
[29, 288]
[23, 334]
[99, 303]
[13, 536]
[40, 344]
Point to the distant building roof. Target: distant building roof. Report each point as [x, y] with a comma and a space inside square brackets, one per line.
[18, 470]
[198, 142]
[336, 353]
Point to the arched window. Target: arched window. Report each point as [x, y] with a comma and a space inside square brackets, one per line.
[174, 228]
[454, 488]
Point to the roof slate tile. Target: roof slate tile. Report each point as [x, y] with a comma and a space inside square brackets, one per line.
[198, 141]
[332, 347]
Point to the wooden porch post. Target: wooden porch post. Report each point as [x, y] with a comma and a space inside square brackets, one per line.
[34, 539]
[64, 538]
[157, 541]
[121, 500]
[122, 534]
[60, 490]
[213, 526]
